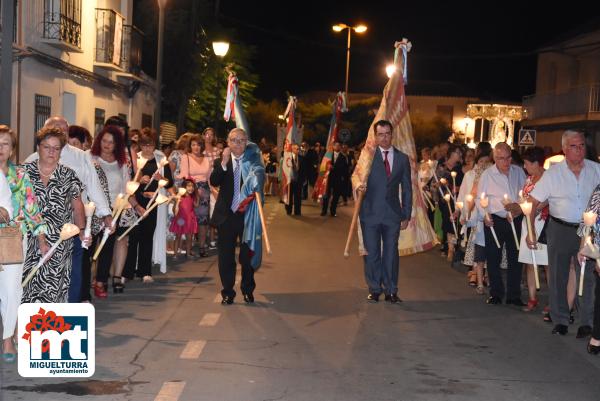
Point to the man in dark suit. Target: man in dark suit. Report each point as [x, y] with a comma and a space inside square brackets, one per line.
[337, 181]
[297, 182]
[382, 216]
[229, 219]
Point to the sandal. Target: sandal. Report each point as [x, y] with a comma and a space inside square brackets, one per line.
[472, 276]
[546, 314]
[531, 305]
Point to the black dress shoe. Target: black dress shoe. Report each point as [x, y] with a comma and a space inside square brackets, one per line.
[560, 329]
[393, 298]
[516, 302]
[584, 332]
[373, 297]
[249, 298]
[227, 300]
[593, 349]
[494, 301]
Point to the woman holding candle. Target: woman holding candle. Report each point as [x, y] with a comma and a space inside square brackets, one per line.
[449, 185]
[196, 166]
[108, 154]
[534, 165]
[475, 249]
[58, 193]
[592, 231]
[142, 238]
[16, 193]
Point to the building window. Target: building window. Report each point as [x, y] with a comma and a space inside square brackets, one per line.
[146, 121]
[62, 21]
[99, 115]
[42, 111]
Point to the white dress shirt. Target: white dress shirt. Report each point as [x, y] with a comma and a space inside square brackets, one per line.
[566, 194]
[80, 162]
[495, 185]
[390, 156]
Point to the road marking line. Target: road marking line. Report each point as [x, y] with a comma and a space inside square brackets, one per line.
[209, 320]
[170, 391]
[193, 349]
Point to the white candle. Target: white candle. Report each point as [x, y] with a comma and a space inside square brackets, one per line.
[159, 201]
[161, 184]
[469, 204]
[140, 163]
[526, 208]
[89, 213]
[161, 164]
[485, 202]
[447, 199]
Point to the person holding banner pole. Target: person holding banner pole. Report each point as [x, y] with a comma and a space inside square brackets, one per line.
[383, 215]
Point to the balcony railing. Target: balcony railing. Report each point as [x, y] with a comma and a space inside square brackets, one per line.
[109, 38]
[62, 23]
[131, 53]
[575, 101]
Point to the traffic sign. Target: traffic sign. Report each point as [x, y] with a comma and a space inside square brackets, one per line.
[527, 137]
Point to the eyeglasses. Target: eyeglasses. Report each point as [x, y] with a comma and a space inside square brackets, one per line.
[50, 149]
[237, 141]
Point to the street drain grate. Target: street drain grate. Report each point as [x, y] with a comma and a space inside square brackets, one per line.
[90, 387]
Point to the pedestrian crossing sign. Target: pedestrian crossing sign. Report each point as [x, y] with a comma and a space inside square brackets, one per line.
[527, 137]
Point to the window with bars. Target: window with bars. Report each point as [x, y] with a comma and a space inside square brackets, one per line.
[62, 21]
[99, 115]
[42, 111]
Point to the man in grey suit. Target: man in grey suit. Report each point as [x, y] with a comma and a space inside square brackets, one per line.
[382, 216]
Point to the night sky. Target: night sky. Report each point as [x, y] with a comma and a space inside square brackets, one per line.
[489, 53]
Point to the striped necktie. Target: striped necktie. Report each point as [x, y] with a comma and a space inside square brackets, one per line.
[236, 186]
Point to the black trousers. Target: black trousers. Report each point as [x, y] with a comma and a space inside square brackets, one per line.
[229, 233]
[493, 255]
[596, 330]
[334, 195]
[295, 198]
[139, 251]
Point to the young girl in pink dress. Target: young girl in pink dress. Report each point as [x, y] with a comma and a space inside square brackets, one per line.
[185, 222]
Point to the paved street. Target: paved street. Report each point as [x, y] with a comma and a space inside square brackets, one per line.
[312, 336]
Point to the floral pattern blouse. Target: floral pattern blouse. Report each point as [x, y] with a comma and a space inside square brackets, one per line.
[24, 202]
[593, 206]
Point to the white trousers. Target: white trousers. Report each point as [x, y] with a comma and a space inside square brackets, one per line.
[10, 295]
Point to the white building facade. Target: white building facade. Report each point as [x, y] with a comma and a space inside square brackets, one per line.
[80, 59]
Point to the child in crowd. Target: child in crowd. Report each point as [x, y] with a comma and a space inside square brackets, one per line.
[184, 222]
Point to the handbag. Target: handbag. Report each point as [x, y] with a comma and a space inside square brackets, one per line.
[11, 245]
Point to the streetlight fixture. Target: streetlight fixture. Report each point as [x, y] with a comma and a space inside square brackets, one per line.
[358, 29]
[220, 48]
[159, 65]
[390, 69]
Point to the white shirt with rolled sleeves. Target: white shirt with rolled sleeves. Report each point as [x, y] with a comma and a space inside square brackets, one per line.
[566, 194]
[495, 185]
[81, 162]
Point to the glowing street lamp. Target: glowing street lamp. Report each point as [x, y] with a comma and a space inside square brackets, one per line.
[358, 29]
[220, 48]
[390, 69]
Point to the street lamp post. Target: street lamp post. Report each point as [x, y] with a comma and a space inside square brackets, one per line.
[357, 29]
[220, 48]
[159, 65]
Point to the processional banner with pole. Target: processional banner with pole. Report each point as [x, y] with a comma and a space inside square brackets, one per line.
[339, 107]
[419, 235]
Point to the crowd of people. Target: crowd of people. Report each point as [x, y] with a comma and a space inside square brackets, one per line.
[479, 201]
[147, 202]
[124, 179]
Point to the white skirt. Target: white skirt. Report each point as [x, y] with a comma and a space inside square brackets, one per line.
[541, 254]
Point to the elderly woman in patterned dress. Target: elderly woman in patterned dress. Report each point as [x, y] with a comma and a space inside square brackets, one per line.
[58, 193]
[25, 215]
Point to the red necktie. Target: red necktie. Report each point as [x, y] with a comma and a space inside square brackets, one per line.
[388, 170]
